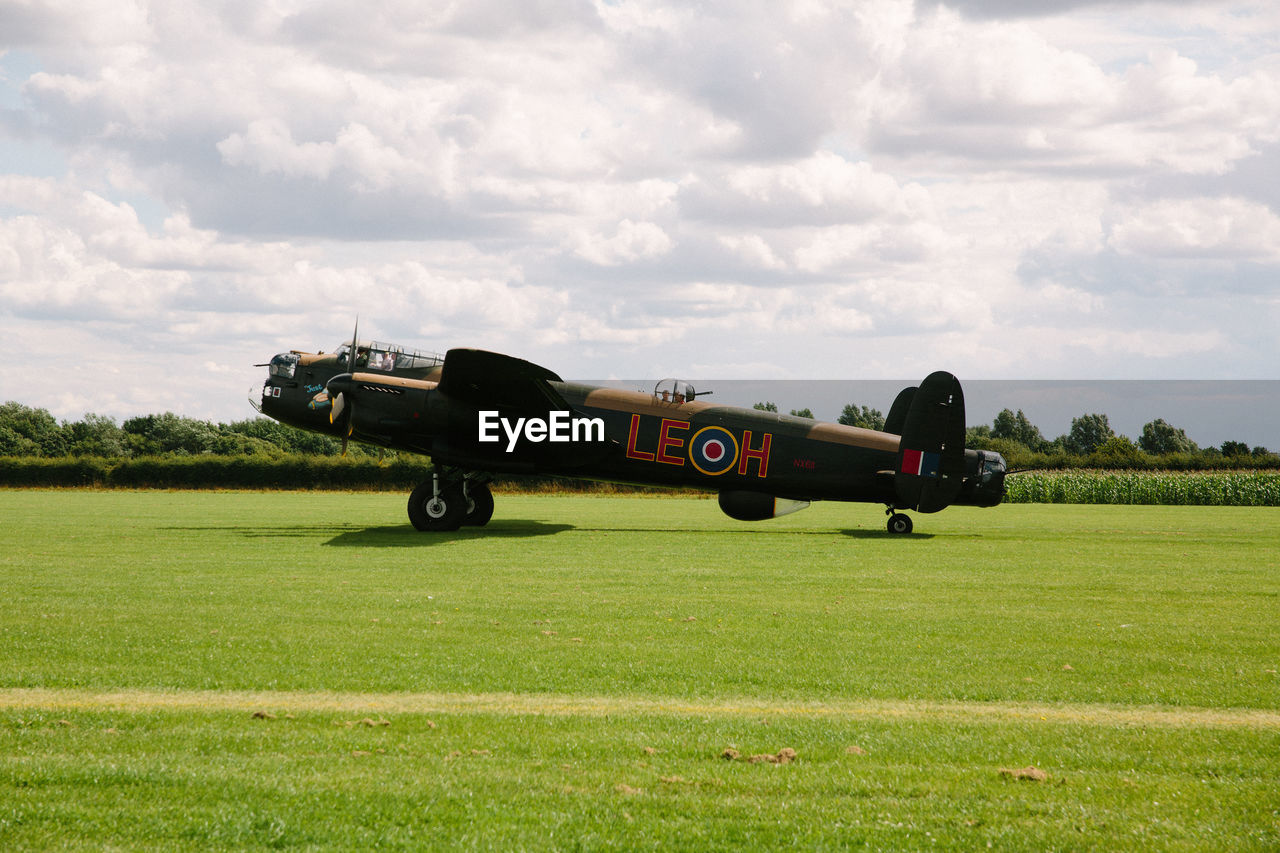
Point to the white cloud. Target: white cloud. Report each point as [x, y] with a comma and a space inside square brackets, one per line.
[612, 184]
[872, 247]
[1199, 228]
[999, 71]
[47, 270]
[823, 188]
[1148, 343]
[268, 146]
[1000, 92]
[754, 251]
[633, 241]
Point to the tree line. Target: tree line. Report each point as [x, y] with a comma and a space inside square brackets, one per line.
[27, 431]
[1091, 442]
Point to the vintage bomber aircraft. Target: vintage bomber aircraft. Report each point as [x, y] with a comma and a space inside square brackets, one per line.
[477, 414]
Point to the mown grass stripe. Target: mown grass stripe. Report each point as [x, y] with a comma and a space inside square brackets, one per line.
[139, 701]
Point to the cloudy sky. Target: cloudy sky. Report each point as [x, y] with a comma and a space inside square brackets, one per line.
[745, 189]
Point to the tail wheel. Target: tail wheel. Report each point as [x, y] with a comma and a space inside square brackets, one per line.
[432, 511]
[479, 504]
[899, 523]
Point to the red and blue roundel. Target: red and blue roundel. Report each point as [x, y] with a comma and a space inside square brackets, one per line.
[713, 450]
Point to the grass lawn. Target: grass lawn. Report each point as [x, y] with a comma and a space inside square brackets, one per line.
[570, 675]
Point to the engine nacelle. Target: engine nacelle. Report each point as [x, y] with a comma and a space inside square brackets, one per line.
[757, 506]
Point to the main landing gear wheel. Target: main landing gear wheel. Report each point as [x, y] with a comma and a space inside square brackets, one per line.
[432, 509]
[479, 502]
[899, 523]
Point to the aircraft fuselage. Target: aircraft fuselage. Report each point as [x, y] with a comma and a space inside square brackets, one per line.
[528, 421]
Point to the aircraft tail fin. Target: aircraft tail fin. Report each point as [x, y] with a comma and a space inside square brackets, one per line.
[930, 468]
[898, 411]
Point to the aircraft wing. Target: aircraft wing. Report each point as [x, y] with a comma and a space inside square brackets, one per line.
[513, 387]
[490, 380]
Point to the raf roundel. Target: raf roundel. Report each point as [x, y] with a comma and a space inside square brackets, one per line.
[713, 450]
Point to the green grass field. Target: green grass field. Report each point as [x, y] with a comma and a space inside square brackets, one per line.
[303, 670]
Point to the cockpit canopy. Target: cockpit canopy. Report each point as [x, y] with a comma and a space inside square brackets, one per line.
[387, 357]
[283, 365]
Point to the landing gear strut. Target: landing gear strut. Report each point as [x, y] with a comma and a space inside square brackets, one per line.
[898, 522]
[449, 500]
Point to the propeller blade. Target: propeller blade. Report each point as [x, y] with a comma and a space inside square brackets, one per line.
[340, 384]
[346, 434]
[338, 387]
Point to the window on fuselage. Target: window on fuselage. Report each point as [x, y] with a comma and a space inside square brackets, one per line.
[283, 365]
[362, 357]
[380, 359]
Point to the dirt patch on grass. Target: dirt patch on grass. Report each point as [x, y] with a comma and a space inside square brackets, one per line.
[367, 722]
[1024, 774]
[786, 755]
[563, 705]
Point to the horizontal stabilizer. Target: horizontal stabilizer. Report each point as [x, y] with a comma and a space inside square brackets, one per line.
[490, 380]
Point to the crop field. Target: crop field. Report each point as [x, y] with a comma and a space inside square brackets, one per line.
[1168, 488]
[185, 670]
